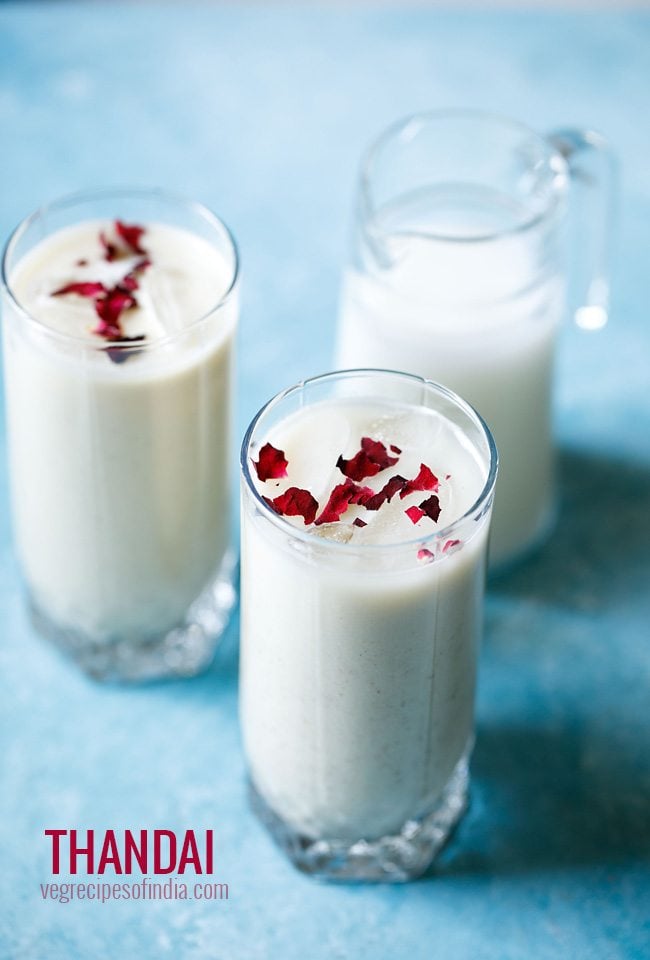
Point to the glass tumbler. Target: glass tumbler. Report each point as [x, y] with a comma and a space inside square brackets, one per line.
[119, 442]
[358, 650]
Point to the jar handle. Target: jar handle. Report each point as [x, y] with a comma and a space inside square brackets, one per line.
[593, 170]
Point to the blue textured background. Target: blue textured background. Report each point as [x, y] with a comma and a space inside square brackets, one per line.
[262, 114]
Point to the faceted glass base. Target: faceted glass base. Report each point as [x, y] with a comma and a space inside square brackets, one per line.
[185, 651]
[398, 858]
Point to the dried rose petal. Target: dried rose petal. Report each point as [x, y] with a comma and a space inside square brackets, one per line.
[272, 464]
[109, 309]
[425, 555]
[129, 282]
[425, 480]
[359, 467]
[341, 497]
[414, 514]
[111, 251]
[431, 507]
[295, 502]
[358, 522]
[450, 544]
[130, 234]
[361, 495]
[395, 449]
[371, 458]
[387, 492]
[377, 452]
[111, 303]
[83, 289]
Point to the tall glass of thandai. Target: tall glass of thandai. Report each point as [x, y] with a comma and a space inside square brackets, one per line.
[366, 501]
[119, 314]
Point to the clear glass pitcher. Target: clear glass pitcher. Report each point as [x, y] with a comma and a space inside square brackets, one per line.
[460, 273]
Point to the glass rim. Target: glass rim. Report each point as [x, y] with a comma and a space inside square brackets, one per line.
[474, 511]
[398, 127]
[105, 193]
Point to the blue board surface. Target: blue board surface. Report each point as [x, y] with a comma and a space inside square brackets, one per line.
[262, 113]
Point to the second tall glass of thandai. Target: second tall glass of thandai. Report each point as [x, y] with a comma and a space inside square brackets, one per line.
[120, 311]
[366, 501]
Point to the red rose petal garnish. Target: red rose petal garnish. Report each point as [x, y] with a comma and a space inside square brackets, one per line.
[111, 251]
[387, 492]
[414, 514]
[109, 309]
[109, 306]
[83, 289]
[272, 464]
[295, 502]
[361, 495]
[371, 458]
[341, 497]
[130, 234]
[111, 303]
[431, 507]
[359, 467]
[425, 480]
[377, 452]
[129, 282]
[425, 555]
[450, 544]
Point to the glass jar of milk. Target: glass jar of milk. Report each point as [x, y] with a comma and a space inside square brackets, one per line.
[119, 312]
[459, 274]
[366, 502]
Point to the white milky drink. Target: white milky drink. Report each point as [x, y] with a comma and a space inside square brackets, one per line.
[470, 316]
[462, 272]
[118, 449]
[359, 634]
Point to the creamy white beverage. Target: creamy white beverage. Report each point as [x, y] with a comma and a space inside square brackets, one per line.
[478, 318]
[118, 365]
[361, 613]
